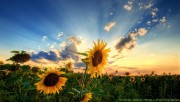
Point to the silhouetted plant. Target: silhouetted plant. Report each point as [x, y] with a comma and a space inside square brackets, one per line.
[19, 57]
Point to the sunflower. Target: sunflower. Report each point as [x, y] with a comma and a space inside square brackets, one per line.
[110, 76]
[97, 58]
[142, 79]
[132, 79]
[35, 69]
[69, 66]
[51, 82]
[87, 97]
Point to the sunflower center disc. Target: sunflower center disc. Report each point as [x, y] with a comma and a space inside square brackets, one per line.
[96, 60]
[51, 79]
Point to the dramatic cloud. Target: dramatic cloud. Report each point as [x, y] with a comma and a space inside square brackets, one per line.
[127, 42]
[109, 26]
[128, 6]
[70, 51]
[130, 41]
[74, 39]
[142, 31]
[44, 55]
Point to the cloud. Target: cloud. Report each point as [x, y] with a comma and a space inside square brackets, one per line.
[163, 20]
[149, 23]
[52, 47]
[142, 31]
[155, 20]
[114, 56]
[154, 12]
[111, 62]
[79, 64]
[128, 6]
[69, 52]
[63, 44]
[59, 35]
[44, 55]
[109, 26]
[148, 6]
[44, 38]
[75, 39]
[125, 67]
[127, 42]
[130, 41]
[140, 5]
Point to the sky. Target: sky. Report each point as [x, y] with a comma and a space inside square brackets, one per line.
[143, 35]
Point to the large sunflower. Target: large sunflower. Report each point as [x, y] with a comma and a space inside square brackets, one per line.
[51, 82]
[97, 58]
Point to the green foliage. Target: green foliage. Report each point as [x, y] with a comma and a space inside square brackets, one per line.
[18, 86]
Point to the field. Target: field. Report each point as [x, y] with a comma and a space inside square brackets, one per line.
[17, 84]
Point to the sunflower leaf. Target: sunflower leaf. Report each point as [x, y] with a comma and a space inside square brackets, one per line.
[76, 91]
[72, 75]
[84, 54]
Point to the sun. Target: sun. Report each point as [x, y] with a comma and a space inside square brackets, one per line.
[51, 82]
[97, 58]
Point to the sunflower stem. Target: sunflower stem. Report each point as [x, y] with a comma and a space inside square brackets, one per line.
[57, 97]
[83, 82]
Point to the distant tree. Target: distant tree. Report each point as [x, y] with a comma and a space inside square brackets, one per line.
[19, 57]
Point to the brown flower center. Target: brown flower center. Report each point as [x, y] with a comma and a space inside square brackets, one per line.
[51, 79]
[97, 58]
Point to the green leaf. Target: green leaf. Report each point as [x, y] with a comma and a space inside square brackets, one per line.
[98, 91]
[84, 54]
[72, 75]
[76, 91]
[15, 52]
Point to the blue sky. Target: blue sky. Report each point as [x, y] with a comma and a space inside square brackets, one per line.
[35, 24]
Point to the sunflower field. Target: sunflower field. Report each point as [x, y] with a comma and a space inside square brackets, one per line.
[23, 83]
